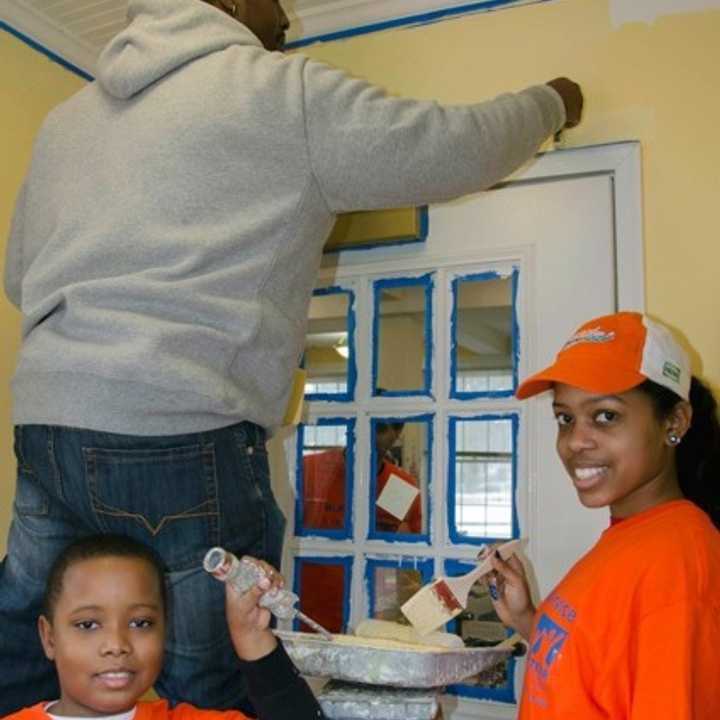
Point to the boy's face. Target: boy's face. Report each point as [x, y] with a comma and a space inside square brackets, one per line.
[107, 635]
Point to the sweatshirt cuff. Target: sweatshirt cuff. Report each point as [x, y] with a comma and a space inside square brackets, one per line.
[562, 113]
[270, 673]
[277, 690]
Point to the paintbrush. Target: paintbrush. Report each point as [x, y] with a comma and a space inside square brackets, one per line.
[443, 599]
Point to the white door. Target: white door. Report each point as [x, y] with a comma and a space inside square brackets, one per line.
[562, 240]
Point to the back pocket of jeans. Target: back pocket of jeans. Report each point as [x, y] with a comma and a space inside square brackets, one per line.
[166, 498]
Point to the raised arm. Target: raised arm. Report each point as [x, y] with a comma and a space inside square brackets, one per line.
[369, 150]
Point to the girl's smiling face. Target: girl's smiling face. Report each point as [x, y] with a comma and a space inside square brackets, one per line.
[616, 449]
[106, 635]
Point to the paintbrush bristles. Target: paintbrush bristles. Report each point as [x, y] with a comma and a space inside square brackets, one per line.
[439, 602]
[428, 609]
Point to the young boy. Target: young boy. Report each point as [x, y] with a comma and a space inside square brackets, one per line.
[103, 625]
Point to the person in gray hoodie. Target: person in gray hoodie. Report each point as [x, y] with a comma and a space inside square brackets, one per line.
[163, 252]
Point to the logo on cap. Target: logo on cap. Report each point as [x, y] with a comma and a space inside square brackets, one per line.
[591, 335]
[672, 371]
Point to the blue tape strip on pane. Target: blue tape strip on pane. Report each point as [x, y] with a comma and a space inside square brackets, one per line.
[456, 537]
[423, 227]
[378, 287]
[351, 377]
[419, 19]
[504, 693]
[373, 532]
[515, 329]
[45, 51]
[345, 561]
[456, 394]
[347, 530]
[424, 565]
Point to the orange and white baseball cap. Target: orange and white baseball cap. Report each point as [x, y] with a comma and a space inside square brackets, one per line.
[615, 353]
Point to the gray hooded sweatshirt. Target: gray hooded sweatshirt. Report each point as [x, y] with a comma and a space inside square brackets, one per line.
[167, 237]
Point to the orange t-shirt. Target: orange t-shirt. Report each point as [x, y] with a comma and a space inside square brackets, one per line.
[633, 630]
[386, 522]
[324, 490]
[324, 494]
[155, 710]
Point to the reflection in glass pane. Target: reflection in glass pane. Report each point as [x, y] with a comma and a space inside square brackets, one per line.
[322, 591]
[400, 352]
[483, 464]
[325, 477]
[400, 456]
[328, 343]
[479, 626]
[393, 586]
[483, 334]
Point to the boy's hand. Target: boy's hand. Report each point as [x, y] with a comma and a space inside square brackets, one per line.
[247, 621]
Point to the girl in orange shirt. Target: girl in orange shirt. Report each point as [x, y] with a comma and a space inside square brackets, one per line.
[633, 630]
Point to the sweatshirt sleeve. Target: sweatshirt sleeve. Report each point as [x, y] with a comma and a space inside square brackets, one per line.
[277, 690]
[13, 254]
[369, 150]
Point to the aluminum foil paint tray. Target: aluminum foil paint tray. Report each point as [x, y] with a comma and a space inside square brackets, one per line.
[365, 702]
[392, 664]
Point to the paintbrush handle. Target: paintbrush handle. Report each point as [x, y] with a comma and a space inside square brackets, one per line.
[462, 585]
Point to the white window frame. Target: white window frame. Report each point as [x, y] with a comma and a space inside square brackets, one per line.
[621, 163]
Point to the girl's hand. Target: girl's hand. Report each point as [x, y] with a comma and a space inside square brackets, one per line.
[510, 593]
[249, 624]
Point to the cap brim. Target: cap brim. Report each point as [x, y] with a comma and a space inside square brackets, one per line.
[605, 381]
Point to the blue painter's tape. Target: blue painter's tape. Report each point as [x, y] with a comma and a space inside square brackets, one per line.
[424, 565]
[456, 537]
[346, 531]
[378, 287]
[456, 394]
[45, 51]
[515, 329]
[410, 20]
[351, 378]
[504, 693]
[373, 532]
[345, 561]
[424, 223]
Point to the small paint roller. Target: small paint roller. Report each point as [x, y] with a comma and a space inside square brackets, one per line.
[244, 574]
[440, 601]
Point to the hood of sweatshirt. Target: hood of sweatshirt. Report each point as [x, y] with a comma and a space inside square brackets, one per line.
[160, 37]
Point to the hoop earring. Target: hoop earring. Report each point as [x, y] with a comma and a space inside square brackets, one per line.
[674, 439]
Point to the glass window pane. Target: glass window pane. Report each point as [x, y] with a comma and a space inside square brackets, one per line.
[401, 461]
[392, 587]
[482, 343]
[329, 356]
[400, 358]
[322, 588]
[326, 477]
[482, 467]
[479, 626]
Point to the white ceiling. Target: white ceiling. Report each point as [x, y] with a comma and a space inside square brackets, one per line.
[76, 30]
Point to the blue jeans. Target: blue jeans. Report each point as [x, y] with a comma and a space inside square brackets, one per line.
[180, 494]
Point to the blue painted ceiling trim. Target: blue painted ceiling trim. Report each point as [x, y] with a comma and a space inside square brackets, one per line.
[48, 53]
[420, 19]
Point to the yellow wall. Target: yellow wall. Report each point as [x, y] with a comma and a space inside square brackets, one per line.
[30, 85]
[655, 83]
